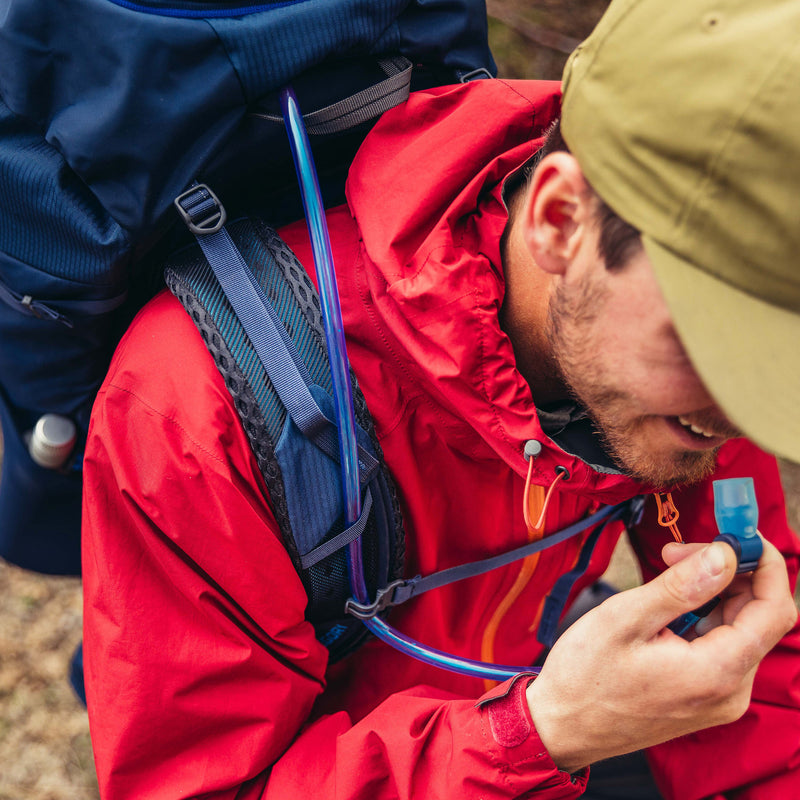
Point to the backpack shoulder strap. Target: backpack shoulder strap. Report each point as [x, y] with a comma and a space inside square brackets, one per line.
[278, 373]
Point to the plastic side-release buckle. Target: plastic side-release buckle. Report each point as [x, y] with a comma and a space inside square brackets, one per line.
[201, 210]
[387, 597]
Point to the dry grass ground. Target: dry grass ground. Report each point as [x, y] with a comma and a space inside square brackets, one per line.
[45, 753]
[44, 733]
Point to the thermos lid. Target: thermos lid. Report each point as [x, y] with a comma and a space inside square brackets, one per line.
[52, 440]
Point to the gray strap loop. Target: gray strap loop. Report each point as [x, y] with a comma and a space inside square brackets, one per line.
[341, 539]
[362, 106]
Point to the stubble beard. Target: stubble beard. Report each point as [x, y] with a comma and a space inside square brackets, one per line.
[573, 312]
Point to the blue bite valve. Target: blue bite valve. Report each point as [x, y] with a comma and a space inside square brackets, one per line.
[736, 512]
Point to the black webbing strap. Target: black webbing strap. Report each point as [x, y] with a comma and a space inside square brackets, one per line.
[269, 338]
[342, 539]
[363, 106]
[402, 590]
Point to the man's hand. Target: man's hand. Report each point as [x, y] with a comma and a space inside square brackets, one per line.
[618, 680]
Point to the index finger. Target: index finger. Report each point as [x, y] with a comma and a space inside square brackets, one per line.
[763, 620]
[770, 577]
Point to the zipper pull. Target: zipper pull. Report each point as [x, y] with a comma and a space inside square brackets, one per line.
[668, 514]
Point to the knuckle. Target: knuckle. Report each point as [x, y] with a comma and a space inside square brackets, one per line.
[675, 587]
[715, 689]
[790, 618]
[712, 690]
[613, 615]
[611, 606]
[727, 686]
[740, 663]
[737, 706]
[728, 706]
[752, 651]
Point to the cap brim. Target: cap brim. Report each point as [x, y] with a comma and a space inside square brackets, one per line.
[746, 351]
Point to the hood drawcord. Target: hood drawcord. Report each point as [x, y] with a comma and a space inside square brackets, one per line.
[535, 501]
[534, 496]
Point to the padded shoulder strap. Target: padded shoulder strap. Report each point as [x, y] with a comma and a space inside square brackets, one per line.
[284, 357]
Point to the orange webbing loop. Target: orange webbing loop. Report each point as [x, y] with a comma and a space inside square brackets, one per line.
[668, 515]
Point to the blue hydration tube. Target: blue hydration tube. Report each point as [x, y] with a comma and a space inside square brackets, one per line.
[333, 326]
[438, 658]
[343, 404]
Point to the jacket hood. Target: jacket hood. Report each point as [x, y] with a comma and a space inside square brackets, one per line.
[433, 243]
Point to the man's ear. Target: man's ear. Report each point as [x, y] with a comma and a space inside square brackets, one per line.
[555, 212]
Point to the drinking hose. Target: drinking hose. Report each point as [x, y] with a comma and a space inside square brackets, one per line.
[734, 494]
[343, 402]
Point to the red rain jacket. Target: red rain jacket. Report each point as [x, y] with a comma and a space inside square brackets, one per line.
[203, 677]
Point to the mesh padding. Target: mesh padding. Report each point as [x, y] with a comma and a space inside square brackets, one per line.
[294, 298]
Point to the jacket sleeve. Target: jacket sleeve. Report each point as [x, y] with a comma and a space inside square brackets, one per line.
[201, 670]
[757, 757]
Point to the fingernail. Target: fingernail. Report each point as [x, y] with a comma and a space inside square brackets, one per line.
[703, 626]
[714, 559]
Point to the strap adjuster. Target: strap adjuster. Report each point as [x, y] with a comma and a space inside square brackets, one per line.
[476, 74]
[201, 210]
[385, 598]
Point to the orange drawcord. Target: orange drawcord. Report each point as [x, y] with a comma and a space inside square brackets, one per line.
[534, 504]
[526, 502]
[668, 515]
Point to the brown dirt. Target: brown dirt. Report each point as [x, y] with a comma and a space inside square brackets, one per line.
[44, 734]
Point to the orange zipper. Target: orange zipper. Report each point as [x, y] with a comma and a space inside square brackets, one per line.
[534, 507]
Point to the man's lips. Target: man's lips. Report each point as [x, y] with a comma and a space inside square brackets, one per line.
[694, 436]
[700, 430]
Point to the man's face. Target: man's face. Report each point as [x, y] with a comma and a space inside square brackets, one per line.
[618, 352]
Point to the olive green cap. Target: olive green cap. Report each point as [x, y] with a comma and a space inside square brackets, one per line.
[685, 118]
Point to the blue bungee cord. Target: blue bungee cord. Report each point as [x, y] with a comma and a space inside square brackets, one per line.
[343, 402]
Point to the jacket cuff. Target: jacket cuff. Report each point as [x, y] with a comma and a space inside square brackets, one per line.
[505, 712]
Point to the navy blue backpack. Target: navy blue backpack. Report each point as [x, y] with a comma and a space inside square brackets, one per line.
[111, 109]
[116, 119]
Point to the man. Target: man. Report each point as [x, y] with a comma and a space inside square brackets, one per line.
[490, 298]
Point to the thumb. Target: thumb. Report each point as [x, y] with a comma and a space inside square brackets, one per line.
[683, 587]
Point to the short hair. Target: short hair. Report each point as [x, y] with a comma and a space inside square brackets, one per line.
[618, 241]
